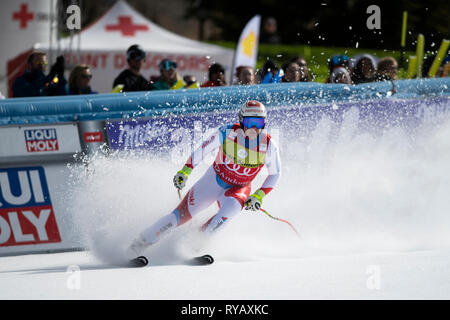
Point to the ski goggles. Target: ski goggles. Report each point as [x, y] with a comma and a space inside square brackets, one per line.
[250, 122]
[167, 64]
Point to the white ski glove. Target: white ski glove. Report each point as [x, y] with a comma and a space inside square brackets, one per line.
[179, 181]
[254, 201]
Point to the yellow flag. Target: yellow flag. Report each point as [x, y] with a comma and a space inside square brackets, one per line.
[247, 48]
[248, 45]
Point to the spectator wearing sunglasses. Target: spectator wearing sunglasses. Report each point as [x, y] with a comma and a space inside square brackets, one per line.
[169, 77]
[337, 61]
[131, 79]
[35, 83]
[79, 80]
[216, 76]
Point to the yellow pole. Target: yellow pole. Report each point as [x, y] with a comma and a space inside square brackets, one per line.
[440, 55]
[419, 54]
[405, 19]
[412, 67]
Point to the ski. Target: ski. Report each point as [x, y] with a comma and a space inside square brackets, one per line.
[142, 261]
[138, 262]
[201, 260]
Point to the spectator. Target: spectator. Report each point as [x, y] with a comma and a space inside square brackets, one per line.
[299, 60]
[35, 83]
[79, 80]
[353, 60]
[291, 72]
[245, 75]
[387, 69]
[446, 66]
[190, 82]
[340, 75]
[169, 78]
[131, 79]
[216, 76]
[337, 61]
[269, 33]
[304, 72]
[269, 73]
[364, 71]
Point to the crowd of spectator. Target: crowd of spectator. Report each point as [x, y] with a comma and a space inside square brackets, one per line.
[342, 69]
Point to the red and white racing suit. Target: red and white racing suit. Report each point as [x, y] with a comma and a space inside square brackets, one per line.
[227, 181]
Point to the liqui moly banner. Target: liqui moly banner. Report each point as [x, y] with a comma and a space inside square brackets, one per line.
[28, 141]
[41, 140]
[35, 215]
[26, 211]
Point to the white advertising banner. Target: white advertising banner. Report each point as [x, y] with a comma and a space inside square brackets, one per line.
[29, 141]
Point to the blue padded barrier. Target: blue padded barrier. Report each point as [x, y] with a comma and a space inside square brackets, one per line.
[146, 104]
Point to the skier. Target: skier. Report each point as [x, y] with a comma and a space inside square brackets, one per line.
[243, 149]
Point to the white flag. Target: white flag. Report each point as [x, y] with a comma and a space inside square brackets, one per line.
[247, 49]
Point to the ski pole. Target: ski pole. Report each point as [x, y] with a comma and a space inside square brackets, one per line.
[279, 219]
[179, 193]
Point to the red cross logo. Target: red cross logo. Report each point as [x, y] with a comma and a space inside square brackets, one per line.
[126, 26]
[23, 15]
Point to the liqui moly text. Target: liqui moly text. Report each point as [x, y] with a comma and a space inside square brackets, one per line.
[26, 211]
[41, 140]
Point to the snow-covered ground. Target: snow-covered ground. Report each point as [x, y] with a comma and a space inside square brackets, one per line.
[383, 275]
[373, 214]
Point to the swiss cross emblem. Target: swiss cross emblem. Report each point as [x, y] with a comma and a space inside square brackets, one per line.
[126, 26]
[23, 16]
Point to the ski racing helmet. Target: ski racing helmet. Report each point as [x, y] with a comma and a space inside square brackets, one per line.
[252, 109]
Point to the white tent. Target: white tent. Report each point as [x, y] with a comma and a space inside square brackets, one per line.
[103, 45]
